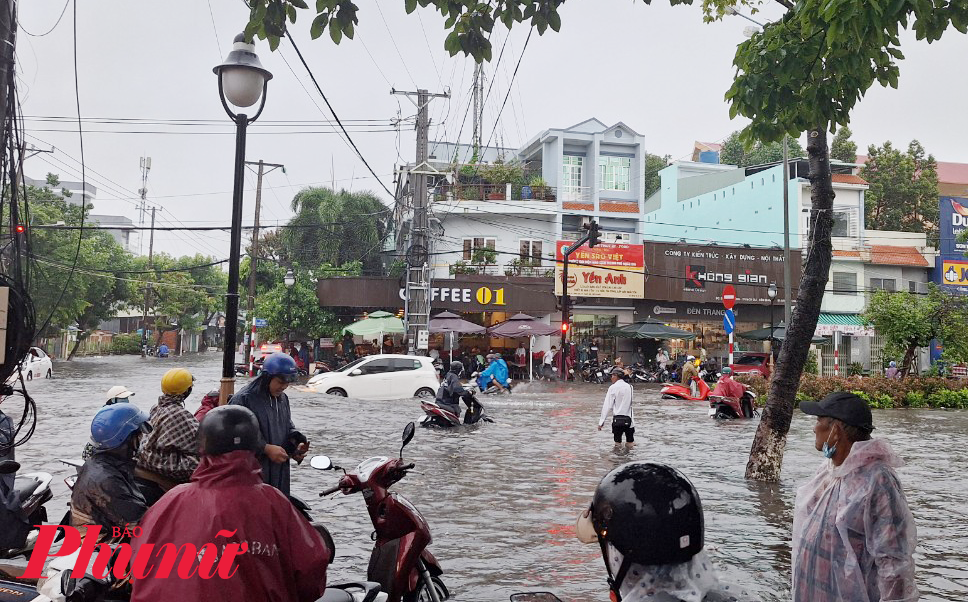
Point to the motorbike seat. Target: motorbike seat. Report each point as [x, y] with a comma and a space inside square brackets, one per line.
[24, 487]
[336, 595]
[339, 593]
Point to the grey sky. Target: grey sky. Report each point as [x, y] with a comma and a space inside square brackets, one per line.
[658, 69]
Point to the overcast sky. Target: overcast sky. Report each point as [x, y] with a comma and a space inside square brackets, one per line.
[658, 69]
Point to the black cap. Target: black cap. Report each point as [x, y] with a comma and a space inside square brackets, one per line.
[846, 407]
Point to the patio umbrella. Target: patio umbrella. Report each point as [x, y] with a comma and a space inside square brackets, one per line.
[523, 325]
[377, 322]
[446, 321]
[651, 329]
[779, 334]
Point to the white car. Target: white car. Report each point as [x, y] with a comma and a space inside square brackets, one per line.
[381, 376]
[37, 364]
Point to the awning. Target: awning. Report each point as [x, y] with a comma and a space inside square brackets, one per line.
[851, 324]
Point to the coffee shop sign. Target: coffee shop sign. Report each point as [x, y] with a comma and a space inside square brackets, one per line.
[483, 295]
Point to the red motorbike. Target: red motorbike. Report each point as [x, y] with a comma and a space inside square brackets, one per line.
[400, 561]
[672, 391]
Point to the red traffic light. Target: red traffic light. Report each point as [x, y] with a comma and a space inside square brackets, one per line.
[20, 228]
[564, 327]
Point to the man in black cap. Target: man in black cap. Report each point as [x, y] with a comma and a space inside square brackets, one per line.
[853, 533]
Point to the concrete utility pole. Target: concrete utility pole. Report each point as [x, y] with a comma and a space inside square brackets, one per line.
[418, 278]
[478, 105]
[145, 168]
[144, 318]
[787, 301]
[254, 248]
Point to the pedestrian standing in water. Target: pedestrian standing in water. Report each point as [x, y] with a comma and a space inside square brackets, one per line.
[267, 399]
[618, 401]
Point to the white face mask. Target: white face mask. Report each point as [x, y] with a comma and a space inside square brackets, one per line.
[584, 529]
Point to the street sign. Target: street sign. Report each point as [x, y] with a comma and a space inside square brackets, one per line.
[261, 322]
[729, 321]
[729, 296]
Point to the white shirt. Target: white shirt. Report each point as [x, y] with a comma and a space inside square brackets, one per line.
[548, 356]
[618, 400]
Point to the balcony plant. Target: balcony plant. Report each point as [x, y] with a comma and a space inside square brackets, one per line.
[462, 267]
[539, 188]
[498, 175]
[483, 258]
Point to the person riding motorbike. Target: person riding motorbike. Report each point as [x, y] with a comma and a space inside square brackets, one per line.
[287, 558]
[689, 371]
[116, 394]
[727, 387]
[105, 492]
[496, 374]
[451, 391]
[169, 455]
[648, 520]
[267, 399]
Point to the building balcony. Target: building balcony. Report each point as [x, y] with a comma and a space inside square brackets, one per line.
[511, 268]
[493, 192]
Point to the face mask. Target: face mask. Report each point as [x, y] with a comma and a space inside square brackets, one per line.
[584, 529]
[828, 450]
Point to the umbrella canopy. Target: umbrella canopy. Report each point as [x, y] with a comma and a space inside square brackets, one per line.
[377, 323]
[446, 321]
[651, 329]
[779, 333]
[522, 325]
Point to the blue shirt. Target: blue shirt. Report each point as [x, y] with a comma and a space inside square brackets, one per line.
[498, 370]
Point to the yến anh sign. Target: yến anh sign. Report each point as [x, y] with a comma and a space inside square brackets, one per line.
[608, 270]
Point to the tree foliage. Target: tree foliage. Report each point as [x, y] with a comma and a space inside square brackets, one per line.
[737, 152]
[294, 313]
[903, 192]
[843, 148]
[907, 321]
[653, 165]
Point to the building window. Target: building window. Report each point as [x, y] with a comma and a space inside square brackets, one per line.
[845, 283]
[531, 251]
[884, 284]
[472, 244]
[571, 172]
[615, 173]
[912, 286]
[841, 225]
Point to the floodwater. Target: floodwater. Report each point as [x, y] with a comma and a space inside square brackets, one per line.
[502, 498]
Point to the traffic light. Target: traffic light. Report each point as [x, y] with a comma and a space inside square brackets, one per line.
[594, 235]
[564, 327]
[20, 228]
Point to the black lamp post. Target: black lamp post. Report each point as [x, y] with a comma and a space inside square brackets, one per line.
[289, 280]
[242, 82]
[771, 293]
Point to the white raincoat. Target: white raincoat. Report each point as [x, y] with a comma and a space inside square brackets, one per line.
[692, 581]
[853, 533]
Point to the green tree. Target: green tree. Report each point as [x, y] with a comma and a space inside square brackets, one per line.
[653, 165]
[843, 148]
[907, 322]
[736, 152]
[802, 73]
[294, 313]
[903, 192]
[335, 228]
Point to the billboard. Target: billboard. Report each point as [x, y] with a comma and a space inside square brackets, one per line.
[608, 270]
[953, 221]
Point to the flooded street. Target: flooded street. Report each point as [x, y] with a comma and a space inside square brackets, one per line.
[502, 498]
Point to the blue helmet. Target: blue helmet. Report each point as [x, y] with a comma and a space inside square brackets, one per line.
[893, 364]
[282, 366]
[113, 424]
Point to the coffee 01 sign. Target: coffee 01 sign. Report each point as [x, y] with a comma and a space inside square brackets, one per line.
[608, 270]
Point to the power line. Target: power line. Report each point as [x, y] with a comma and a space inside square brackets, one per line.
[56, 23]
[510, 86]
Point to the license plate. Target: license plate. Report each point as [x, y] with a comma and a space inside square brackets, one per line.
[599, 373]
[712, 411]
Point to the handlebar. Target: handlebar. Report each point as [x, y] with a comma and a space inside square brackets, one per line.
[329, 491]
[408, 466]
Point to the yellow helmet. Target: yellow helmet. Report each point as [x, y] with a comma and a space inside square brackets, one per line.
[176, 381]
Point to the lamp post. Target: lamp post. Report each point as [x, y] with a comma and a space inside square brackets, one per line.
[771, 293]
[242, 82]
[289, 280]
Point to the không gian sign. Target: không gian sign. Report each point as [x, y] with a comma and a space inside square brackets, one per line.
[608, 270]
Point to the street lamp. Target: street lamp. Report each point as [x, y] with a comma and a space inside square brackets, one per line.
[771, 293]
[242, 81]
[289, 280]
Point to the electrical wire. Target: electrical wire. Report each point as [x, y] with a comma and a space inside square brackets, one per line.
[510, 86]
[56, 23]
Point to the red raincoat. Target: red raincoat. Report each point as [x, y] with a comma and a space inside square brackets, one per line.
[286, 559]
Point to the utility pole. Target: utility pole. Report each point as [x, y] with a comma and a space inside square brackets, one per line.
[478, 106]
[787, 302]
[417, 302]
[254, 254]
[145, 168]
[144, 319]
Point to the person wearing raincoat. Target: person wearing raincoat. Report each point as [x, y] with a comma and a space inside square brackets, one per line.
[853, 533]
[267, 399]
[226, 503]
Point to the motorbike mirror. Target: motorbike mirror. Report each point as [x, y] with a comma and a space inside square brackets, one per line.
[407, 435]
[321, 463]
[535, 597]
[9, 467]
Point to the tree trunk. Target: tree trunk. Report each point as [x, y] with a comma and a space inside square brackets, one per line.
[908, 360]
[80, 338]
[178, 341]
[766, 454]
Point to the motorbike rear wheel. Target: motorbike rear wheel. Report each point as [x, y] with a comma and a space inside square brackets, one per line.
[423, 593]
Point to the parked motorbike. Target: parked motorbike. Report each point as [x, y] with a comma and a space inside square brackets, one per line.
[400, 561]
[675, 391]
[727, 408]
[435, 415]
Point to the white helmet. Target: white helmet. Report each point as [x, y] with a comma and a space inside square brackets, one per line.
[690, 357]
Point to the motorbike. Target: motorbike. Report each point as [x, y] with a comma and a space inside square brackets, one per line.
[474, 387]
[400, 561]
[675, 391]
[438, 416]
[727, 408]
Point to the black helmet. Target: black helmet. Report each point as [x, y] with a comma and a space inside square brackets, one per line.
[650, 512]
[229, 428]
[456, 367]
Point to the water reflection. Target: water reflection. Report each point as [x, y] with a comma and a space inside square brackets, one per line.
[502, 498]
